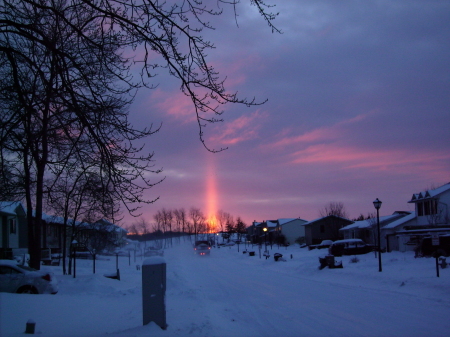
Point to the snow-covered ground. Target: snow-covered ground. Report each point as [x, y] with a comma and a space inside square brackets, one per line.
[233, 294]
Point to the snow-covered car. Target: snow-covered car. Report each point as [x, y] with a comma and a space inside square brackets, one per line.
[323, 244]
[15, 278]
[202, 248]
[349, 247]
[152, 251]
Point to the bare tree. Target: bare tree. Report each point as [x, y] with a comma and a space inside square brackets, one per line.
[334, 208]
[197, 220]
[240, 227]
[67, 87]
[336, 213]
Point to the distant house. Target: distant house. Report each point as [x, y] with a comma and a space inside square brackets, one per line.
[431, 217]
[14, 232]
[432, 206]
[404, 231]
[13, 229]
[366, 230]
[292, 229]
[325, 228]
[263, 232]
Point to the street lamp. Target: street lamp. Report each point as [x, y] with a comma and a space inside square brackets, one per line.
[377, 205]
[265, 237]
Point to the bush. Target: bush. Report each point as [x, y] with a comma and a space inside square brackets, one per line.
[354, 259]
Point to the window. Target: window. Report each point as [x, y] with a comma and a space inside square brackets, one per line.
[322, 228]
[419, 208]
[433, 207]
[12, 226]
[426, 207]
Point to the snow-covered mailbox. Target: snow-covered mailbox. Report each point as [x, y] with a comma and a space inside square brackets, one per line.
[154, 291]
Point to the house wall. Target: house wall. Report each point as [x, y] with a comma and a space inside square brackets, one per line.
[443, 207]
[325, 229]
[8, 239]
[292, 230]
[3, 231]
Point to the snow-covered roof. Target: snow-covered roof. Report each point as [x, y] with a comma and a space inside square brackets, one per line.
[401, 221]
[287, 220]
[271, 223]
[110, 226]
[58, 219]
[430, 193]
[348, 241]
[283, 221]
[370, 222]
[324, 217]
[9, 207]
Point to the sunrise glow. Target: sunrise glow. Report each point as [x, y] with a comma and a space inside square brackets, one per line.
[211, 193]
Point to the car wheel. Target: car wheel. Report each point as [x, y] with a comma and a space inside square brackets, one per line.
[27, 290]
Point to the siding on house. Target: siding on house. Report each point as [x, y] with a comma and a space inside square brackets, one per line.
[13, 226]
[292, 229]
[325, 228]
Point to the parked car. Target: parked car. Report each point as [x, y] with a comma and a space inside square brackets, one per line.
[323, 244]
[349, 247]
[202, 248]
[152, 251]
[15, 278]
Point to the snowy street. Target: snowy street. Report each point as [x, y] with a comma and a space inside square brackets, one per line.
[232, 294]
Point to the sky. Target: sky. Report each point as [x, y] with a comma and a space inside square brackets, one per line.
[358, 108]
[233, 294]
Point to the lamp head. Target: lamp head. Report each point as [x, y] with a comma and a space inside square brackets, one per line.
[377, 203]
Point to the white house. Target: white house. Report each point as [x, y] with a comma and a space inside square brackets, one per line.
[432, 206]
[13, 229]
[366, 230]
[431, 217]
[292, 229]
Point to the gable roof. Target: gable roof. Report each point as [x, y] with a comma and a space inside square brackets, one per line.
[401, 221]
[428, 194]
[282, 222]
[384, 221]
[10, 207]
[324, 217]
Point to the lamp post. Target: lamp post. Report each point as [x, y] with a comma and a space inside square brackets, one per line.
[265, 237]
[74, 252]
[377, 205]
[93, 256]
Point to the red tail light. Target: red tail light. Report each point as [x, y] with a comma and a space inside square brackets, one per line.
[47, 277]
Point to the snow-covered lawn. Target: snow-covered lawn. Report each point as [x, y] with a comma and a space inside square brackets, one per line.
[233, 294]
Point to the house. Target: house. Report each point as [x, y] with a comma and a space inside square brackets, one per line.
[292, 230]
[325, 228]
[431, 217]
[14, 232]
[366, 230]
[391, 233]
[263, 232]
[116, 236]
[432, 206]
[13, 229]
[404, 231]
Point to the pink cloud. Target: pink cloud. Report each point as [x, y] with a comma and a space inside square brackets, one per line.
[175, 104]
[241, 129]
[338, 145]
[323, 134]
